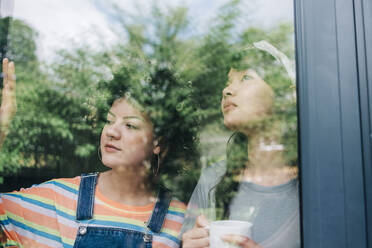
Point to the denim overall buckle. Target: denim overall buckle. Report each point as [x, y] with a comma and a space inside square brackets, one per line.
[82, 230]
[147, 237]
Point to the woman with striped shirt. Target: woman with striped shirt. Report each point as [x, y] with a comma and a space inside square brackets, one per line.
[122, 207]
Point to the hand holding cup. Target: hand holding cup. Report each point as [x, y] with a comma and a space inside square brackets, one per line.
[230, 233]
[240, 241]
[198, 236]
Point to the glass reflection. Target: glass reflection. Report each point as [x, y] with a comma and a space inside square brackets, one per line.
[258, 181]
[173, 59]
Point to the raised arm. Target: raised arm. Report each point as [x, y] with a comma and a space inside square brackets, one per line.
[8, 106]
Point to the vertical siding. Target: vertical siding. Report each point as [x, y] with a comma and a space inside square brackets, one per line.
[363, 20]
[330, 128]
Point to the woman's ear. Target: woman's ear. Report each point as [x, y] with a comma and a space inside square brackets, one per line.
[157, 148]
[160, 148]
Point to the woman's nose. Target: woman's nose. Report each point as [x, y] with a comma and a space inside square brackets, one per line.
[228, 91]
[113, 132]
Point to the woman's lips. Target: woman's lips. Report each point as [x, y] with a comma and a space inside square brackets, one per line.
[111, 148]
[228, 106]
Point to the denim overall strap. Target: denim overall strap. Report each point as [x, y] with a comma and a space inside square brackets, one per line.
[85, 204]
[160, 210]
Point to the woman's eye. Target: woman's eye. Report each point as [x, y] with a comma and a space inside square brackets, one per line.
[131, 126]
[247, 77]
[109, 121]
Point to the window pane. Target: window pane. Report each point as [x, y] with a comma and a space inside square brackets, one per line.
[195, 96]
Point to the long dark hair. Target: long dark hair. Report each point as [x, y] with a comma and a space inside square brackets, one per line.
[236, 158]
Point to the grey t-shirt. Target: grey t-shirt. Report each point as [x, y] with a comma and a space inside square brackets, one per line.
[274, 211]
[268, 208]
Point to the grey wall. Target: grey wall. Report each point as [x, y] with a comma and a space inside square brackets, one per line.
[363, 21]
[331, 115]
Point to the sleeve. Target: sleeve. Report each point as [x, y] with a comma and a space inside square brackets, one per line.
[8, 235]
[202, 198]
[21, 213]
[173, 222]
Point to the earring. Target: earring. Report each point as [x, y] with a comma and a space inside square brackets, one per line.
[157, 169]
[99, 153]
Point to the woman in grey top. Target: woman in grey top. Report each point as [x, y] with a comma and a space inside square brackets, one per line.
[258, 182]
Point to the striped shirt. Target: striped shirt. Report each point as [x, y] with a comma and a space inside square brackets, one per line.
[44, 216]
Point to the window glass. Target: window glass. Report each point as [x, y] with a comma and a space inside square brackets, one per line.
[196, 96]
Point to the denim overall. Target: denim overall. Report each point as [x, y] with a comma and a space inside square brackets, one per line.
[113, 237]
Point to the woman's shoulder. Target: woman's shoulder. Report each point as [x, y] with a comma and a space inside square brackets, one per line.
[218, 167]
[211, 174]
[44, 195]
[71, 181]
[71, 184]
[51, 186]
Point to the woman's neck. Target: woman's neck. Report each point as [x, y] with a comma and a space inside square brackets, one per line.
[126, 186]
[266, 164]
[273, 177]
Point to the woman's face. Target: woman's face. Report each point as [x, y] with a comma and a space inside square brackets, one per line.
[127, 138]
[246, 100]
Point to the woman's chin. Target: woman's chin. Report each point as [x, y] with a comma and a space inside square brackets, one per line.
[111, 163]
[232, 124]
[118, 166]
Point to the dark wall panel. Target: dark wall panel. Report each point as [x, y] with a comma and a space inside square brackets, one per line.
[363, 24]
[330, 128]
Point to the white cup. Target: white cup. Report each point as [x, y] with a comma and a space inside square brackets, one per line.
[224, 227]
